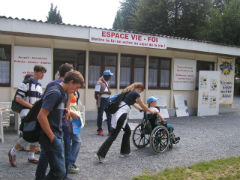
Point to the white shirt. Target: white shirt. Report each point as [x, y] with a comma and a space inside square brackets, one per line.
[98, 87]
[153, 109]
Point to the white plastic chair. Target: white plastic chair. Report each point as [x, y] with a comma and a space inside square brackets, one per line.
[5, 113]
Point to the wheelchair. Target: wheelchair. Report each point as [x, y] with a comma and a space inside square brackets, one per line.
[151, 131]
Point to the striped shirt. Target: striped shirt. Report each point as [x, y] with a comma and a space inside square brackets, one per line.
[29, 90]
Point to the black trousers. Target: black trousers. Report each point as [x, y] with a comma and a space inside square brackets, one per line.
[125, 146]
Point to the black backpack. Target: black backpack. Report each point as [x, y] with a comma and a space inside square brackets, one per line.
[114, 103]
[17, 107]
[30, 126]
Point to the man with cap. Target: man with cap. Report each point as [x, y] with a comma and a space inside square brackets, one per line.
[102, 94]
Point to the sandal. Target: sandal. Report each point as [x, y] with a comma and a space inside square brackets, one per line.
[34, 161]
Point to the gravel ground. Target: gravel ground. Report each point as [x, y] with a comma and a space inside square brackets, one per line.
[202, 139]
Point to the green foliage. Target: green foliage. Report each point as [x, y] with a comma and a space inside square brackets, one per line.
[224, 25]
[211, 20]
[118, 22]
[54, 15]
[222, 169]
[125, 15]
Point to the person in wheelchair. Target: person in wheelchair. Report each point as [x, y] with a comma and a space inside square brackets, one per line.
[152, 104]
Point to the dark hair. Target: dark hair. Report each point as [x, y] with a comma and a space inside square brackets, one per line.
[64, 68]
[39, 68]
[27, 76]
[76, 76]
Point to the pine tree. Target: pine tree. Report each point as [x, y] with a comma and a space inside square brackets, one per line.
[54, 16]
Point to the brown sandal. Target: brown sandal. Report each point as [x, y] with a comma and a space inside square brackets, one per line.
[34, 161]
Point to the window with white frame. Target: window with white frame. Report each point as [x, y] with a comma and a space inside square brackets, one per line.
[132, 69]
[5, 65]
[159, 73]
[99, 62]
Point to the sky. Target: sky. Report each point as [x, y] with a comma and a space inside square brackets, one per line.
[95, 13]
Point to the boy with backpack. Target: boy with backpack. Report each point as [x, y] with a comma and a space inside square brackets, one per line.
[50, 120]
[27, 94]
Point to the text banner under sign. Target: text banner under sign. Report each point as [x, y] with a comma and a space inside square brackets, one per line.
[127, 39]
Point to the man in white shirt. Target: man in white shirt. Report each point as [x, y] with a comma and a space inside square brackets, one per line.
[102, 94]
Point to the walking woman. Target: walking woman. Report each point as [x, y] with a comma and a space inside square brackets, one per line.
[119, 120]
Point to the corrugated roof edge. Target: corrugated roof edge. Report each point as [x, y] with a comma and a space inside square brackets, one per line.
[160, 35]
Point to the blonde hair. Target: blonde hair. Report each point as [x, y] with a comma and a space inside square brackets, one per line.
[133, 86]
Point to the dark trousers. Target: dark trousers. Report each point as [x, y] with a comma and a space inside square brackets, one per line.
[67, 147]
[103, 104]
[42, 166]
[54, 153]
[125, 146]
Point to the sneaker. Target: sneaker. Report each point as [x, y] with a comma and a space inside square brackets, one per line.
[100, 158]
[34, 161]
[124, 155]
[73, 169]
[176, 140]
[100, 132]
[12, 158]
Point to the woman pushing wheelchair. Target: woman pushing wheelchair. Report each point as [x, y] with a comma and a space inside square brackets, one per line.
[119, 120]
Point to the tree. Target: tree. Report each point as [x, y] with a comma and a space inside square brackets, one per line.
[169, 17]
[118, 21]
[54, 15]
[125, 15]
[224, 24]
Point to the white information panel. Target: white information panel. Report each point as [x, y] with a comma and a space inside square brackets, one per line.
[181, 105]
[184, 74]
[25, 58]
[208, 93]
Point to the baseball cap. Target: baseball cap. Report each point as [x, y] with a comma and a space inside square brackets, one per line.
[151, 99]
[107, 73]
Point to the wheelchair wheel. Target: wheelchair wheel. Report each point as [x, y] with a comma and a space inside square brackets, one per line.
[159, 139]
[140, 138]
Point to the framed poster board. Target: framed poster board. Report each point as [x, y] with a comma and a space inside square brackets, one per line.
[208, 93]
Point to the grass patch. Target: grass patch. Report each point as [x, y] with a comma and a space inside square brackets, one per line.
[222, 169]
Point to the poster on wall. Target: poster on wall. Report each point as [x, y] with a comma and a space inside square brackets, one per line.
[25, 58]
[208, 93]
[227, 69]
[184, 74]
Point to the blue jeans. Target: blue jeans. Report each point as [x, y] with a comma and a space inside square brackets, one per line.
[67, 147]
[103, 104]
[43, 159]
[54, 152]
[76, 144]
[41, 166]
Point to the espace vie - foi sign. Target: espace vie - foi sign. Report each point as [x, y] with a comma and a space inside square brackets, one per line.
[127, 39]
